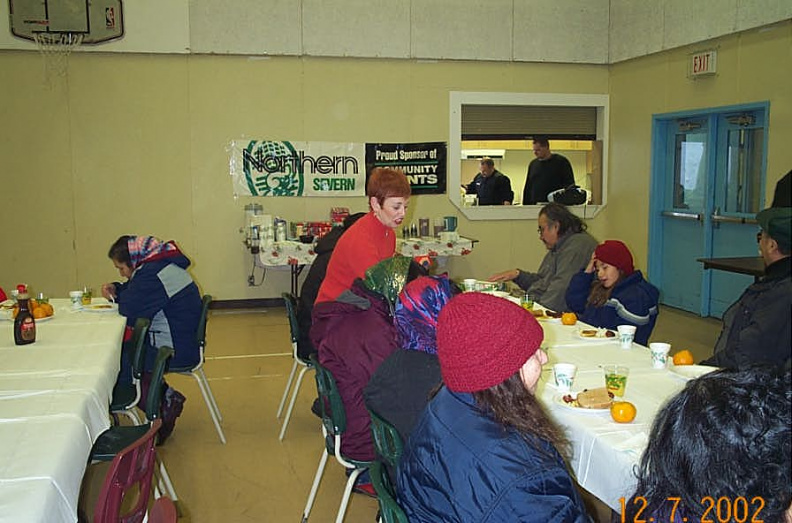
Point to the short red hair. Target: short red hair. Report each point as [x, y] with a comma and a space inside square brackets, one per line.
[385, 182]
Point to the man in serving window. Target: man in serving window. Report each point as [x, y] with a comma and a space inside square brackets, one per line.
[490, 185]
[756, 328]
[547, 172]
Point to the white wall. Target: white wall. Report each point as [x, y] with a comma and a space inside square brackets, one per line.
[563, 31]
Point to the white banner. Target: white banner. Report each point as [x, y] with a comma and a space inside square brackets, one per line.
[281, 168]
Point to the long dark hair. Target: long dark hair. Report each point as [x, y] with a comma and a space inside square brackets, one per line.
[599, 294]
[727, 434]
[514, 406]
[567, 222]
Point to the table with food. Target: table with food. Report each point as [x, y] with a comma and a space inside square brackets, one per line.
[605, 397]
[54, 399]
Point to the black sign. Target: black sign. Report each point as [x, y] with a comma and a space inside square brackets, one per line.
[424, 164]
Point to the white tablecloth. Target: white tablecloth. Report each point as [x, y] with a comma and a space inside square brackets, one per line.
[54, 398]
[605, 453]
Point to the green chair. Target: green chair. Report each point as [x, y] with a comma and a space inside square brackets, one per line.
[197, 371]
[117, 438]
[127, 395]
[388, 445]
[333, 427]
[294, 328]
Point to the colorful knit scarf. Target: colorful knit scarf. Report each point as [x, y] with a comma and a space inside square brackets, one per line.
[417, 310]
[144, 249]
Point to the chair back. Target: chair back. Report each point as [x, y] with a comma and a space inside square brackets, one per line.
[154, 397]
[200, 333]
[137, 344]
[387, 441]
[291, 312]
[330, 402]
[390, 511]
[131, 471]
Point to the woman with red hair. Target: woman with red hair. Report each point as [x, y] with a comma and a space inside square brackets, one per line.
[372, 238]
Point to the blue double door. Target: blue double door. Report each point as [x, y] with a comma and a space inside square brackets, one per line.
[708, 172]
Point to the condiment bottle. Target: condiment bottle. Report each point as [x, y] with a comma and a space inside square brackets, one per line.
[24, 324]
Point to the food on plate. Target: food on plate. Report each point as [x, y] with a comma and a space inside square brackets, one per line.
[38, 310]
[610, 334]
[598, 398]
[102, 306]
[597, 333]
[683, 357]
[622, 411]
[569, 318]
[537, 313]
[588, 333]
[553, 314]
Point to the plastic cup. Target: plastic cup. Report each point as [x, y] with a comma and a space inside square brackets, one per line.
[87, 294]
[76, 299]
[659, 354]
[564, 374]
[469, 284]
[616, 378]
[626, 335]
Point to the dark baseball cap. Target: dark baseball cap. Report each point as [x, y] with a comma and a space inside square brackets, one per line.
[777, 223]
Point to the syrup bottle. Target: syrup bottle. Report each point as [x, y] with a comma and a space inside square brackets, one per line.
[24, 324]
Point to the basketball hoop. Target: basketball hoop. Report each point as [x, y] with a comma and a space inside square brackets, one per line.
[56, 48]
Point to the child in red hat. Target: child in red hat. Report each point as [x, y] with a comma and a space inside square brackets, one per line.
[609, 292]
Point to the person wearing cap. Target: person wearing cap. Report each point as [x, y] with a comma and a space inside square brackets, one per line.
[569, 249]
[609, 292]
[756, 328]
[484, 449]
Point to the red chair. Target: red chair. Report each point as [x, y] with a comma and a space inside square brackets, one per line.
[131, 473]
[163, 511]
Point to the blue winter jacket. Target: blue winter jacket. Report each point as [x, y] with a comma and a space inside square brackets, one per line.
[460, 465]
[632, 302]
[165, 293]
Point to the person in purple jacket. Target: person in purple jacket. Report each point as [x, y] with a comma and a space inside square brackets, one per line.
[609, 292]
[354, 334]
[158, 288]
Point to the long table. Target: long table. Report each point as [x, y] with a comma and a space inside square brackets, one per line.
[54, 399]
[604, 453]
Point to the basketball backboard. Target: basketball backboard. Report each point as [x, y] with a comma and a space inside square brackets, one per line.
[96, 20]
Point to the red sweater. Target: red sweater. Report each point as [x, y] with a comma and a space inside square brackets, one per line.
[365, 244]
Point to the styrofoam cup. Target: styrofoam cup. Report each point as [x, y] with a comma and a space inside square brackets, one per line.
[564, 374]
[659, 354]
[76, 299]
[626, 335]
[470, 284]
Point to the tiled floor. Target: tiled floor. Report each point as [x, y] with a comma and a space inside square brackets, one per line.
[254, 477]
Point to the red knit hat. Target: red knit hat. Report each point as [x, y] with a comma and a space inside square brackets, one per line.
[483, 339]
[614, 252]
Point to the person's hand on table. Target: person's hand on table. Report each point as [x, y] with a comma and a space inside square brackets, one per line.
[108, 291]
[590, 266]
[504, 276]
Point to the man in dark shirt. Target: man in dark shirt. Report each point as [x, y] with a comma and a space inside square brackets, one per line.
[548, 172]
[492, 186]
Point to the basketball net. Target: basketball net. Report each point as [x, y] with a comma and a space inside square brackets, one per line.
[56, 48]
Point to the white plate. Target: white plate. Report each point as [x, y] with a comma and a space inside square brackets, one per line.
[689, 372]
[101, 307]
[559, 400]
[600, 335]
[499, 294]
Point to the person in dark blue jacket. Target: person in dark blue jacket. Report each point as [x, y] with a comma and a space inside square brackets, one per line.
[158, 288]
[483, 449]
[609, 292]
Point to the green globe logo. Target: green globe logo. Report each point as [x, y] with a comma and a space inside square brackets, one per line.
[272, 169]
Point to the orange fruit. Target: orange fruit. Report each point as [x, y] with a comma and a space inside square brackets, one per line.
[622, 411]
[569, 318]
[32, 304]
[39, 313]
[683, 357]
[15, 311]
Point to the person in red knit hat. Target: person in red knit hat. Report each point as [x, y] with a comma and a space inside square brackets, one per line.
[484, 449]
[609, 292]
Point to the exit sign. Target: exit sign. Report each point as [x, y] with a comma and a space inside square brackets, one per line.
[703, 63]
